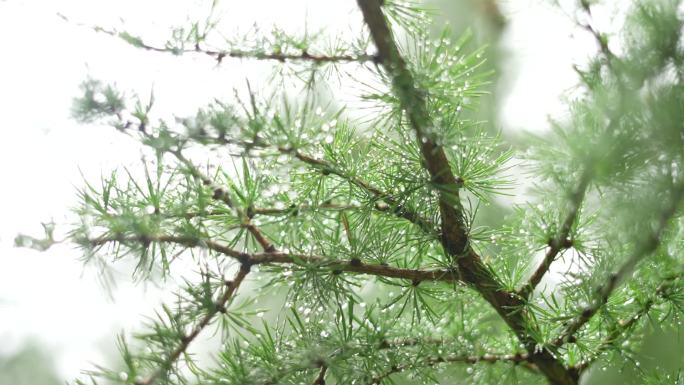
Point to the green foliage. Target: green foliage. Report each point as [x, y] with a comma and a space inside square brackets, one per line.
[343, 228]
[98, 101]
[31, 365]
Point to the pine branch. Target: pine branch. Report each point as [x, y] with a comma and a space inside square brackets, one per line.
[436, 360]
[271, 211]
[454, 234]
[219, 193]
[320, 379]
[303, 56]
[645, 248]
[222, 195]
[624, 325]
[186, 340]
[304, 208]
[219, 55]
[277, 257]
[412, 99]
[386, 202]
[561, 241]
[391, 204]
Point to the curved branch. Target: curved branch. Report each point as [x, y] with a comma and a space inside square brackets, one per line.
[392, 205]
[647, 246]
[186, 340]
[561, 241]
[219, 55]
[276, 257]
[436, 360]
[626, 324]
[222, 195]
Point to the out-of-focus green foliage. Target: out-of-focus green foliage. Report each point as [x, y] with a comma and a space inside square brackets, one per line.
[29, 366]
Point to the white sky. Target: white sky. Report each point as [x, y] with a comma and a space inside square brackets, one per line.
[48, 296]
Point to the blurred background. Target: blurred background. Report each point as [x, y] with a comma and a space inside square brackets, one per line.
[56, 316]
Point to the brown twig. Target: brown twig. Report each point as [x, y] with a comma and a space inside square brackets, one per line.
[320, 379]
[222, 195]
[646, 247]
[561, 241]
[432, 361]
[391, 205]
[186, 340]
[276, 257]
[219, 55]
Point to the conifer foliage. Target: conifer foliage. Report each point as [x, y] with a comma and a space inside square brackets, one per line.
[370, 226]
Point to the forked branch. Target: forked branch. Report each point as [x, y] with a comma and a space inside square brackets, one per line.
[623, 326]
[454, 234]
[645, 248]
[561, 241]
[276, 257]
[185, 341]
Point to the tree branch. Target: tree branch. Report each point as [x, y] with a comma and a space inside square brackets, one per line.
[219, 55]
[626, 324]
[223, 195]
[645, 248]
[320, 379]
[269, 211]
[392, 205]
[327, 168]
[436, 360]
[454, 234]
[276, 257]
[561, 241]
[186, 340]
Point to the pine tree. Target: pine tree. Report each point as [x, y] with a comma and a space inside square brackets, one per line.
[370, 225]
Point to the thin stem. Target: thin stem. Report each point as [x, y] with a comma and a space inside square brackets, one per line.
[269, 211]
[391, 205]
[626, 324]
[436, 360]
[645, 248]
[186, 340]
[219, 55]
[561, 241]
[223, 195]
[276, 257]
